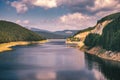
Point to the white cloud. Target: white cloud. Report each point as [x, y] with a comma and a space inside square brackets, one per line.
[23, 5]
[78, 20]
[75, 20]
[95, 5]
[105, 4]
[23, 22]
[45, 3]
[20, 6]
[26, 22]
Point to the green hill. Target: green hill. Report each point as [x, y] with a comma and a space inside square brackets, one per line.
[84, 30]
[110, 38]
[109, 17]
[10, 32]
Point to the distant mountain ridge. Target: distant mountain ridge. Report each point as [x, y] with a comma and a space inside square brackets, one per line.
[54, 35]
[66, 32]
[36, 29]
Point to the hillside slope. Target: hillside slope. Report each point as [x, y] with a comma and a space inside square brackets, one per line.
[109, 39]
[104, 40]
[10, 32]
[99, 27]
[79, 37]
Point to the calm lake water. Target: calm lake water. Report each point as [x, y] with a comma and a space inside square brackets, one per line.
[55, 60]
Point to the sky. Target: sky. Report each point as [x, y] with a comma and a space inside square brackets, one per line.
[55, 15]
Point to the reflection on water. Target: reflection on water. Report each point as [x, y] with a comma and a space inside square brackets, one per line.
[54, 61]
[75, 75]
[110, 69]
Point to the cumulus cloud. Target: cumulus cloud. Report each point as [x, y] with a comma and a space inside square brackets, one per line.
[105, 5]
[83, 13]
[45, 3]
[23, 22]
[78, 20]
[23, 5]
[82, 6]
[91, 7]
[26, 22]
[20, 6]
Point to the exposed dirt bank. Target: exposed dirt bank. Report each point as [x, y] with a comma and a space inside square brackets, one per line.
[102, 53]
[7, 46]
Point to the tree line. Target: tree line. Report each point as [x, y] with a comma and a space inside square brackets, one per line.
[10, 31]
[110, 38]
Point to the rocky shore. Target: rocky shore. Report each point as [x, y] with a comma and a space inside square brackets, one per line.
[97, 51]
[102, 53]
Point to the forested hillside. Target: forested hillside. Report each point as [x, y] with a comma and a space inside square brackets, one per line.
[10, 31]
[84, 30]
[110, 38]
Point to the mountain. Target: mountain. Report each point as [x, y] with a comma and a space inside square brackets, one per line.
[36, 29]
[10, 32]
[50, 35]
[66, 32]
[98, 28]
[105, 33]
[54, 35]
[109, 36]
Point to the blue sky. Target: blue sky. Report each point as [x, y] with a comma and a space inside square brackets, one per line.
[57, 14]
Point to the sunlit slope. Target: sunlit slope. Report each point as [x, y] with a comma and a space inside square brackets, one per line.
[104, 26]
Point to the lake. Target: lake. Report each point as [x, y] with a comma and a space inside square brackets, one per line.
[55, 60]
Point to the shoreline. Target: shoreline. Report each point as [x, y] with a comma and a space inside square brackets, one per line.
[78, 44]
[97, 51]
[8, 46]
[104, 54]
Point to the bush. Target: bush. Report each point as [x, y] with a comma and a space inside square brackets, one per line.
[74, 39]
[92, 40]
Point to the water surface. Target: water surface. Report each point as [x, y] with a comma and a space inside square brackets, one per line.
[54, 61]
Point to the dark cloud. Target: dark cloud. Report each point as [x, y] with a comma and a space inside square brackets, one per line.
[81, 7]
[86, 6]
